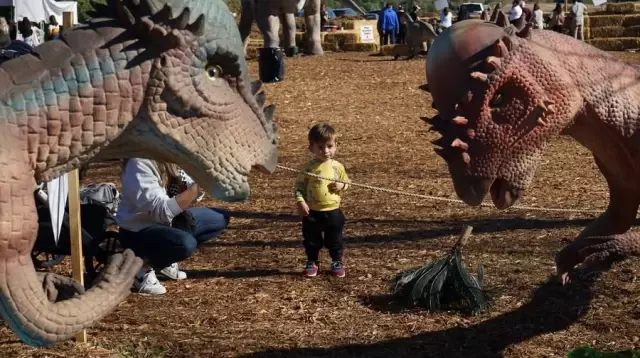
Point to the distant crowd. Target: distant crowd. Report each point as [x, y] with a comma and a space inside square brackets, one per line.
[22, 37]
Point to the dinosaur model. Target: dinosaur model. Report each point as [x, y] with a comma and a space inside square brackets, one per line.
[161, 79]
[269, 14]
[503, 94]
[419, 32]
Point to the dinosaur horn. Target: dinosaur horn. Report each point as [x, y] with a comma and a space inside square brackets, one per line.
[525, 33]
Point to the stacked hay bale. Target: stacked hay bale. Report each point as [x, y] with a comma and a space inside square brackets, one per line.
[617, 28]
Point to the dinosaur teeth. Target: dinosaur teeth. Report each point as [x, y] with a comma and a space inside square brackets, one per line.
[458, 143]
[255, 86]
[460, 120]
[541, 122]
[480, 76]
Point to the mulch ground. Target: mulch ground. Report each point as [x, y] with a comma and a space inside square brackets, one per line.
[245, 296]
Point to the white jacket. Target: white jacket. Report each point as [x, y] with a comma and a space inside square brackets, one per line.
[144, 197]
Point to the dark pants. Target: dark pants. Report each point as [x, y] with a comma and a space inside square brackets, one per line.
[390, 37]
[323, 228]
[163, 245]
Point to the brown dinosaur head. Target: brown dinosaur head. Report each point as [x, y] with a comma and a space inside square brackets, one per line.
[500, 100]
[199, 109]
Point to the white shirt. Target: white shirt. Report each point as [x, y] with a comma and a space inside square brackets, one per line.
[445, 20]
[578, 10]
[538, 19]
[516, 12]
[144, 199]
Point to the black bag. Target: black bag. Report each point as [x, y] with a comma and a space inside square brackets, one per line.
[271, 64]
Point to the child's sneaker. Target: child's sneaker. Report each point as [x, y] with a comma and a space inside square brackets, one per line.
[311, 269]
[172, 272]
[147, 282]
[337, 269]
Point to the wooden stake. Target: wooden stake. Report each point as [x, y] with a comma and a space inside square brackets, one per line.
[464, 236]
[75, 232]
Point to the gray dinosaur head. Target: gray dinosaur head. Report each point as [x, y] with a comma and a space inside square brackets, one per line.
[200, 110]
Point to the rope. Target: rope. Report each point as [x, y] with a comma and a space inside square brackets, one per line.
[438, 198]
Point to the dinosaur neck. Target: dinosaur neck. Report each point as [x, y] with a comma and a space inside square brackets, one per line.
[78, 104]
[608, 122]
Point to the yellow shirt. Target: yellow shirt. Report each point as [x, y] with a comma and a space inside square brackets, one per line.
[315, 191]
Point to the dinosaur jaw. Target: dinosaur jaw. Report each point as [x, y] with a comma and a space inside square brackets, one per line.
[503, 194]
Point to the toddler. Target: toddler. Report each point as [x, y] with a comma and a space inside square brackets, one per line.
[318, 201]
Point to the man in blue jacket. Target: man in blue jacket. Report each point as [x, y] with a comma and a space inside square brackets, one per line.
[389, 25]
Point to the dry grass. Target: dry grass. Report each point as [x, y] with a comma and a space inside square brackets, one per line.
[616, 44]
[245, 297]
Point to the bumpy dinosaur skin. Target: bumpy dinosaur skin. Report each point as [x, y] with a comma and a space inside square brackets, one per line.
[503, 95]
[161, 79]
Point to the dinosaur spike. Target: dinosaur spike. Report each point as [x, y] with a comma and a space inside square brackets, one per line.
[494, 61]
[255, 86]
[525, 33]
[458, 143]
[471, 133]
[466, 158]
[124, 14]
[197, 27]
[494, 13]
[424, 87]
[182, 21]
[501, 19]
[261, 97]
[500, 49]
[460, 120]
[440, 142]
[480, 76]
[269, 111]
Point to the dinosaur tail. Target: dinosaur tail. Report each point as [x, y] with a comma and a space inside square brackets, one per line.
[38, 322]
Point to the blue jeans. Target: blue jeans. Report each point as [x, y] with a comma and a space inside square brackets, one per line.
[162, 245]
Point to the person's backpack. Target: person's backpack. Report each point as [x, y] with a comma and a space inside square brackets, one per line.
[104, 194]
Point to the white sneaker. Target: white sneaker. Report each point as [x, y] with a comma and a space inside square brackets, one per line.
[147, 282]
[172, 272]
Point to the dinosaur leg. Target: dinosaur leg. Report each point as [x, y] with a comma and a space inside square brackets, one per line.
[38, 316]
[246, 21]
[606, 240]
[621, 211]
[313, 39]
[597, 253]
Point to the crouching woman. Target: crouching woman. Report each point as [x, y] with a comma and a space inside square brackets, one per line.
[160, 228]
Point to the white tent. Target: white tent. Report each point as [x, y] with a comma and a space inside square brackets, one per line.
[40, 10]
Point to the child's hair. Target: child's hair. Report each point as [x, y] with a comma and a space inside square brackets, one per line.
[321, 133]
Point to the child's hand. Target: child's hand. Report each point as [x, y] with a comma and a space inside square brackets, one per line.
[303, 208]
[335, 187]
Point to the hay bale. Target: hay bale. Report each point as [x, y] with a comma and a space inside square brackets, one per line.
[606, 32]
[361, 47]
[357, 24]
[620, 8]
[631, 31]
[342, 37]
[612, 20]
[616, 44]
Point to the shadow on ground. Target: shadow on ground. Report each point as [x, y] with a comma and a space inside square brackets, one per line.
[552, 308]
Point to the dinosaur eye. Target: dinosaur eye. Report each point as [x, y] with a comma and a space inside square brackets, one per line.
[496, 101]
[213, 72]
